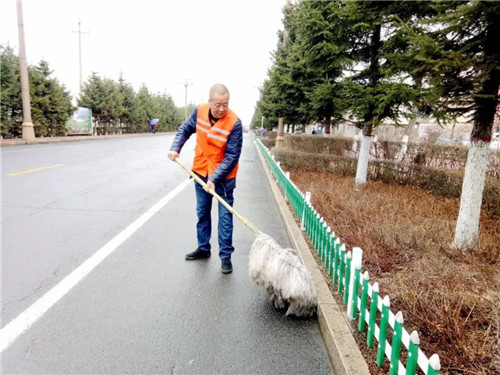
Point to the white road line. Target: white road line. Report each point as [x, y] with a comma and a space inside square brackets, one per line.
[28, 317]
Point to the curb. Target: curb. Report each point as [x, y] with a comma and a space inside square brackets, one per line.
[343, 351]
[74, 138]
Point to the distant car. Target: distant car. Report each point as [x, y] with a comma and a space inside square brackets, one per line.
[246, 130]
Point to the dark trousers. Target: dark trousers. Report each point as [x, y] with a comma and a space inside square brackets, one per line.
[225, 222]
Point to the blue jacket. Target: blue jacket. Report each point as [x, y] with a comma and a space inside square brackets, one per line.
[233, 147]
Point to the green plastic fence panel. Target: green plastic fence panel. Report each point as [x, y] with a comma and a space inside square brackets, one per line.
[317, 228]
[355, 292]
[397, 336]
[326, 247]
[331, 252]
[314, 228]
[382, 339]
[434, 365]
[308, 220]
[347, 279]
[336, 262]
[324, 243]
[334, 257]
[303, 215]
[319, 240]
[310, 232]
[311, 221]
[320, 236]
[373, 316]
[364, 300]
[326, 232]
[341, 270]
[412, 359]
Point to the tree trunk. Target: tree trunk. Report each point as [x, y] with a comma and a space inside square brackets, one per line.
[328, 125]
[467, 229]
[363, 159]
[280, 138]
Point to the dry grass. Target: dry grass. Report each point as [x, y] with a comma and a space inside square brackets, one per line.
[451, 298]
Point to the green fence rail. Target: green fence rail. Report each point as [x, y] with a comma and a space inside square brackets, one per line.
[362, 298]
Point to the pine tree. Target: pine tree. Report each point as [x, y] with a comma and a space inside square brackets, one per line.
[460, 50]
[10, 94]
[376, 90]
[50, 102]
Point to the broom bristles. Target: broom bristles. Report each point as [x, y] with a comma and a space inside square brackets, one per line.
[281, 273]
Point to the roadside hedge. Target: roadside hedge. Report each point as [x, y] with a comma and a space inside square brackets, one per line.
[441, 182]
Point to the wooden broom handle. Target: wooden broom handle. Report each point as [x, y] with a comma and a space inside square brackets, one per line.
[219, 198]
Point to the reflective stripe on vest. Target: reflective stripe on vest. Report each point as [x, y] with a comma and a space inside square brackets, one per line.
[211, 141]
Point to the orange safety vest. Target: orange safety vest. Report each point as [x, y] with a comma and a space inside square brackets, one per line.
[211, 141]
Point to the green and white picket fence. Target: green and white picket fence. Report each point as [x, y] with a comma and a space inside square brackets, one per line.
[362, 298]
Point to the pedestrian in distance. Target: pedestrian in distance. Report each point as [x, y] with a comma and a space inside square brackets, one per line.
[154, 124]
[219, 138]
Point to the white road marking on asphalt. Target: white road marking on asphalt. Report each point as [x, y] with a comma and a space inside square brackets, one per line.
[28, 317]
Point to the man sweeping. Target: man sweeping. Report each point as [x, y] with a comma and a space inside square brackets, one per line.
[219, 138]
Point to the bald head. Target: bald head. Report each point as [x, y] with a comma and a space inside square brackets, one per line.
[218, 89]
[219, 100]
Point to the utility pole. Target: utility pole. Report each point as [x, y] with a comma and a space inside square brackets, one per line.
[186, 84]
[28, 130]
[80, 32]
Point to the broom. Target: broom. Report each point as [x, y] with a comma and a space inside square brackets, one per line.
[279, 271]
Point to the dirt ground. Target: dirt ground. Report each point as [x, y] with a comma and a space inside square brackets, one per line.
[450, 297]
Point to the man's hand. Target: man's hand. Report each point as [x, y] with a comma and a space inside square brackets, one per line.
[210, 186]
[172, 155]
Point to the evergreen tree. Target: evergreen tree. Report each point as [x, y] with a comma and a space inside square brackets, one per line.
[50, 102]
[11, 106]
[142, 110]
[322, 46]
[163, 108]
[103, 97]
[127, 97]
[172, 118]
[284, 92]
[461, 52]
[373, 90]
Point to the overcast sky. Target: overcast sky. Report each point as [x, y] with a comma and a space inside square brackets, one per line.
[157, 42]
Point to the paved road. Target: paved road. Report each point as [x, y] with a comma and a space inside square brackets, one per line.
[143, 308]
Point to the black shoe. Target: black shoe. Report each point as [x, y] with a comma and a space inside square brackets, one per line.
[226, 266]
[198, 254]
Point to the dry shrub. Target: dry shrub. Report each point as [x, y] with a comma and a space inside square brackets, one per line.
[269, 143]
[451, 298]
[426, 155]
[338, 146]
[445, 183]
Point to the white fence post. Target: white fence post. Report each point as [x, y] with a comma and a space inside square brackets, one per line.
[357, 257]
